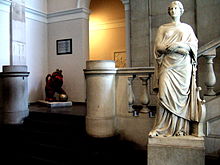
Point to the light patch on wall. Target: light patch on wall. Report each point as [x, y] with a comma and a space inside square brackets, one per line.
[106, 29]
[103, 38]
[96, 24]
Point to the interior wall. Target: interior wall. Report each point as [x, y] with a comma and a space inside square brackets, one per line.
[36, 47]
[73, 64]
[39, 5]
[36, 43]
[4, 33]
[58, 5]
[37, 61]
[208, 29]
[107, 29]
[208, 20]
[146, 17]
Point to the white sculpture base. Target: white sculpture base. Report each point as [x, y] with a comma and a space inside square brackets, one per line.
[56, 104]
[185, 150]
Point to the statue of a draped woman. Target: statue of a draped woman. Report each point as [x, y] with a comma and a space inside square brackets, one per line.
[175, 52]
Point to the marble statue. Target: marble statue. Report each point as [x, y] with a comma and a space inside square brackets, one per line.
[175, 52]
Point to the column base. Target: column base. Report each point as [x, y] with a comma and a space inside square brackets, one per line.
[13, 117]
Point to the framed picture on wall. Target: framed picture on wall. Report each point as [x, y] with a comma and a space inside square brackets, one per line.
[64, 46]
[120, 59]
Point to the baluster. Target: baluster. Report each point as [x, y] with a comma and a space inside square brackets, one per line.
[144, 98]
[131, 97]
[211, 79]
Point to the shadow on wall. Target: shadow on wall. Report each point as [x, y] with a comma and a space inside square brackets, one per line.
[34, 93]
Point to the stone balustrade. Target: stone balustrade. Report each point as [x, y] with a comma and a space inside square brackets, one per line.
[208, 51]
[142, 74]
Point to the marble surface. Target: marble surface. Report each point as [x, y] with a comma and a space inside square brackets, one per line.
[56, 104]
[178, 141]
[176, 150]
[78, 109]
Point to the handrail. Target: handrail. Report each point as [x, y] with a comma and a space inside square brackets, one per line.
[209, 46]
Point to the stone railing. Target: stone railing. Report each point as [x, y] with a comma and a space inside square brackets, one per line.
[208, 51]
[110, 95]
[124, 79]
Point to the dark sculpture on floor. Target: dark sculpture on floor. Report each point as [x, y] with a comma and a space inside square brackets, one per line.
[54, 84]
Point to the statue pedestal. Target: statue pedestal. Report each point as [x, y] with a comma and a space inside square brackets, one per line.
[56, 104]
[185, 150]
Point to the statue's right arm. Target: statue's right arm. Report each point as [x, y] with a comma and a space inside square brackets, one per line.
[160, 48]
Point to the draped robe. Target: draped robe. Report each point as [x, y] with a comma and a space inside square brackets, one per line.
[175, 80]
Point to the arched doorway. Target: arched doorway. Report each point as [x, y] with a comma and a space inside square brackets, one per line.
[107, 31]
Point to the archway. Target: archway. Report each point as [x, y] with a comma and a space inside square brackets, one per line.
[107, 31]
[86, 3]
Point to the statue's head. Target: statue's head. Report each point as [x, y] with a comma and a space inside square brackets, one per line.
[175, 8]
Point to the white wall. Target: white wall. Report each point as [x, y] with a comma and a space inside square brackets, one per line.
[36, 44]
[36, 47]
[36, 52]
[39, 5]
[4, 33]
[71, 64]
[46, 22]
[65, 21]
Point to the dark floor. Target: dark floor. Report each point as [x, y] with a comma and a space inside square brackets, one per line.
[57, 136]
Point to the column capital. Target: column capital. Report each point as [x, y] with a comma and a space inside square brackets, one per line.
[125, 1]
[126, 4]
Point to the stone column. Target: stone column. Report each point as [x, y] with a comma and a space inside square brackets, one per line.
[14, 76]
[100, 91]
[14, 94]
[128, 31]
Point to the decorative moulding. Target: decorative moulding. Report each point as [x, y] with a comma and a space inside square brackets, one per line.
[77, 13]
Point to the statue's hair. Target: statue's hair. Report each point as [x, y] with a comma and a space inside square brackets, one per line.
[179, 4]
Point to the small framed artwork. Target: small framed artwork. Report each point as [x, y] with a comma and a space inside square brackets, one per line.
[120, 59]
[64, 46]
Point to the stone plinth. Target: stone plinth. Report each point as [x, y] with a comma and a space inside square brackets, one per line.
[14, 94]
[56, 104]
[187, 150]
